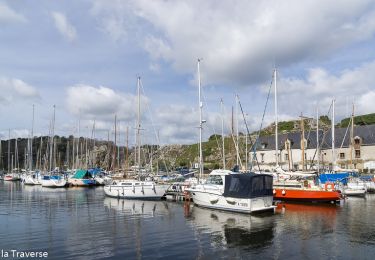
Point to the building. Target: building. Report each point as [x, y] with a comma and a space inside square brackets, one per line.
[348, 155]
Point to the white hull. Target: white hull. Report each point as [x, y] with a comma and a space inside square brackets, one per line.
[217, 201]
[138, 190]
[29, 180]
[354, 192]
[53, 183]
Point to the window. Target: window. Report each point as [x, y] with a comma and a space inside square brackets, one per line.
[262, 157]
[286, 157]
[342, 155]
[214, 179]
[357, 153]
[264, 145]
[357, 140]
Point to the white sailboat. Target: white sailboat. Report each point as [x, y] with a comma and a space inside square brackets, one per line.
[135, 189]
[227, 190]
[53, 179]
[31, 177]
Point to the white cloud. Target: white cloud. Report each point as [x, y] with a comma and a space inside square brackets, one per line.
[238, 40]
[320, 87]
[16, 90]
[62, 24]
[102, 103]
[8, 15]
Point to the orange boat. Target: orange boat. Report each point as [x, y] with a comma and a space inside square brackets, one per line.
[294, 190]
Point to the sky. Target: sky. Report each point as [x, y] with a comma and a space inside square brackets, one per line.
[84, 57]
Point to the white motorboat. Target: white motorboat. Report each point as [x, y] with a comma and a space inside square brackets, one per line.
[226, 190]
[360, 192]
[133, 189]
[53, 181]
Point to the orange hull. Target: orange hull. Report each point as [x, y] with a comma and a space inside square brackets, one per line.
[306, 195]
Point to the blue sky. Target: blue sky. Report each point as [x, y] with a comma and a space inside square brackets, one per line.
[85, 56]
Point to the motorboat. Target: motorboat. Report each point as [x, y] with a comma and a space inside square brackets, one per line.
[231, 191]
[134, 189]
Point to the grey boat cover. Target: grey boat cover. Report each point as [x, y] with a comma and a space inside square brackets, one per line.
[248, 185]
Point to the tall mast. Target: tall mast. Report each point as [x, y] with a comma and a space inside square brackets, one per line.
[352, 137]
[32, 139]
[276, 123]
[317, 139]
[237, 133]
[333, 135]
[200, 123]
[222, 131]
[302, 142]
[115, 146]
[139, 123]
[9, 153]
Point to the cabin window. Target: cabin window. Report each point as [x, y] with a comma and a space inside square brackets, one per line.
[214, 179]
[342, 155]
[357, 140]
[357, 153]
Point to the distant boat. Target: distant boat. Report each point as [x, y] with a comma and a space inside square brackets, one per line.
[32, 178]
[239, 192]
[12, 177]
[53, 181]
[82, 178]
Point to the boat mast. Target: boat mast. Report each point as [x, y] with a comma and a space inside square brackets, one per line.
[237, 133]
[222, 131]
[302, 142]
[333, 135]
[9, 153]
[139, 125]
[115, 146]
[31, 141]
[317, 139]
[352, 137]
[200, 123]
[276, 123]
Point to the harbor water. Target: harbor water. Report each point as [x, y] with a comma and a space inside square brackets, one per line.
[81, 223]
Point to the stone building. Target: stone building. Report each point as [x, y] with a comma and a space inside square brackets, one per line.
[349, 155]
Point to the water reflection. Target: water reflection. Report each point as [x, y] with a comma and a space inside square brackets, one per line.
[137, 207]
[230, 229]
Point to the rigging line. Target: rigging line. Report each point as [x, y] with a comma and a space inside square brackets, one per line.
[261, 124]
[213, 128]
[153, 127]
[346, 132]
[248, 133]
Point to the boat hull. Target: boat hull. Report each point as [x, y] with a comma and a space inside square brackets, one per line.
[29, 180]
[147, 191]
[306, 195]
[219, 202]
[53, 183]
[10, 177]
[82, 182]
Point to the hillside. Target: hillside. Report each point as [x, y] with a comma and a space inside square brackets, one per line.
[368, 119]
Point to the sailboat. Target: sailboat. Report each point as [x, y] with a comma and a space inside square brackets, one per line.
[53, 179]
[227, 190]
[300, 186]
[136, 189]
[31, 177]
[12, 174]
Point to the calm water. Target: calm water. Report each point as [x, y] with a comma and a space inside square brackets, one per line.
[80, 223]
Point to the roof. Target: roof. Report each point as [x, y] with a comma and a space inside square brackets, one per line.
[366, 133]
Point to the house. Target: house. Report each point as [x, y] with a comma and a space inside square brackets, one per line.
[348, 154]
